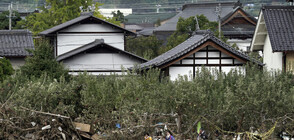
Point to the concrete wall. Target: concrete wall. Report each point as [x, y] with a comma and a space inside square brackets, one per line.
[273, 60]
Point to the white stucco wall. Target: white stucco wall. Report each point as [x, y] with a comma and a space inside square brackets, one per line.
[67, 41]
[175, 72]
[242, 44]
[100, 62]
[273, 60]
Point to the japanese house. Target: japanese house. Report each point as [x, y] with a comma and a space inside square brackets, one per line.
[274, 37]
[90, 44]
[203, 49]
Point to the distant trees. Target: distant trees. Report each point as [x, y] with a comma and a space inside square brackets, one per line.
[59, 12]
[185, 28]
[119, 16]
[150, 47]
[147, 47]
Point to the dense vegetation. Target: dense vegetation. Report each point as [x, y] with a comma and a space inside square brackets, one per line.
[232, 102]
[228, 104]
[5, 68]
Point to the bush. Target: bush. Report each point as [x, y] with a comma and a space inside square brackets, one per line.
[5, 68]
[43, 61]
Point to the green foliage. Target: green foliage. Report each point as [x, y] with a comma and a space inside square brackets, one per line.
[99, 15]
[5, 68]
[158, 22]
[185, 28]
[147, 47]
[43, 61]
[4, 20]
[119, 16]
[59, 12]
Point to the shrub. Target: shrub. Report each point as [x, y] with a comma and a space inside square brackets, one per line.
[5, 68]
[43, 61]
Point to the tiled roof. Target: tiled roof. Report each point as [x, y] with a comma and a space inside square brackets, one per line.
[14, 43]
[189, 45]
[207, 9]
[97, 42]
[133, 27]
[147, 31]
[148, 18]
[279, 23]
[77, 20]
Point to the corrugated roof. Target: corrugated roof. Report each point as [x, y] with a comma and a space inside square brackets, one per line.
[189, 45]
[77, 20]
[207, 9]
[14, 43]
[279, 23]
[97, 42]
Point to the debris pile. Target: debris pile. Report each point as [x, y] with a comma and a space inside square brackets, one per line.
[22, 123]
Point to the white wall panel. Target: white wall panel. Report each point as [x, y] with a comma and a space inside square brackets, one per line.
[67, 42]
[200, 54]
[90, 28]
[187, 61]
[213, 54]
[200, 61]
[273, 60]
[100, 61]
[213, 61]
[175, 72]
[227, 61]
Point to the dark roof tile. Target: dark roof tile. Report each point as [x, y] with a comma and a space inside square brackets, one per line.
[79, 19]
[279, 23]
[15, 43]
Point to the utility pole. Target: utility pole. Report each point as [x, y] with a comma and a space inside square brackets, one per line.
[197, 23]
[10, 14]
[157, 7]
[218, 11]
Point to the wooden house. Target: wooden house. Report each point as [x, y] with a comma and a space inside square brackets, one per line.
[90, 44]
[274, 35]
[203, 49]
[14, 45]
